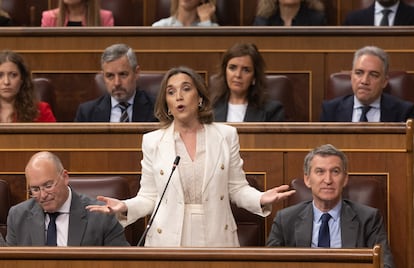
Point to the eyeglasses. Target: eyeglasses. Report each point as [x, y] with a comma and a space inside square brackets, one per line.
[48, 187]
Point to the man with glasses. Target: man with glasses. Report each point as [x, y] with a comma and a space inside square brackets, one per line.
[55, 214]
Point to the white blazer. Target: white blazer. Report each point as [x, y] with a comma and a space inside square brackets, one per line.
[224, 181]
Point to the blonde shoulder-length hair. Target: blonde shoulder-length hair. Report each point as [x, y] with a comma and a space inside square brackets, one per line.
[93, 15]
[267, 8]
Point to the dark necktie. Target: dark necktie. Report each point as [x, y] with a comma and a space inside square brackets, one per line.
[324, 240]
[51, 238]
[365, 110]
[384, 20]
[124, 114]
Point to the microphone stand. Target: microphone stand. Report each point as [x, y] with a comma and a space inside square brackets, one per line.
[142, 239]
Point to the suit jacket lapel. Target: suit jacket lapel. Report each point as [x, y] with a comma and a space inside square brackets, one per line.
[345, 109]
[77, 221]
[303, 227]
[139, 108]
[349, 227]
[253, 114]
[214, 151]
[166, 154]
[37, 223]
[103, 110]
[220, 111]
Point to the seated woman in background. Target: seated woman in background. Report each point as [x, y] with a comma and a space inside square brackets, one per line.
[239, 89]
[18, 100]
[290, 13]
[77, 13]
[190, 13]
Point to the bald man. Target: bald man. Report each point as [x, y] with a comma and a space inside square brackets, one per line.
[49, 190]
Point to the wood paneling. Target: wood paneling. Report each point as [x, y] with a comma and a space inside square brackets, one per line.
[109, 257]
[273, 152]
[307, 55]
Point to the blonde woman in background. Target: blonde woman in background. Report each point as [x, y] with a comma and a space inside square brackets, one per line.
[290, 13]
[190, 13]
[77, 13]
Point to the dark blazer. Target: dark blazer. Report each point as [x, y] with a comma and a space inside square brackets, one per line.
[361, 227]
[271, 112]
[26, 225]
[305, 17]
[404, 16]
[2, 241]
[99, 110]
[393, 109]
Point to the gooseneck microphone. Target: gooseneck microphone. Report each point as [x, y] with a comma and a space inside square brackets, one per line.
[142, 239]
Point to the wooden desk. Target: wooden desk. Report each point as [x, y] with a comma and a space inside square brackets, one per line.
[273, 154]
[182, 258]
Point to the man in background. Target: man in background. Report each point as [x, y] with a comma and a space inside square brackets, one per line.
[382, 13]
[368, 103]
[123, 101]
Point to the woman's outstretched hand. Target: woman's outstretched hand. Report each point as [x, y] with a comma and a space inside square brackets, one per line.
[276, 194]
[112, 205]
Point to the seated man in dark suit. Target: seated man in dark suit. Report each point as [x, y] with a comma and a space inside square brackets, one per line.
[123, 101]
[55, 207]
[329, 221]
[382, 13]
[369, 77]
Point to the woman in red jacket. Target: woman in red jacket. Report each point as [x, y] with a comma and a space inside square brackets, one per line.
[77, 13]
[18, 100]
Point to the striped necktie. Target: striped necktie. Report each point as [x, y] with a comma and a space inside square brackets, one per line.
[124, 113]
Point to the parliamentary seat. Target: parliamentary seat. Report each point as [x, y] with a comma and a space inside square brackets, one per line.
[110, 186]
[125, 12]
[45, 91]
[5, 203]
[25, 12]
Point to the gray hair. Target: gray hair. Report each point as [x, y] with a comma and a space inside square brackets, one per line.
[117, 51]
[324, 150]
[374, 51]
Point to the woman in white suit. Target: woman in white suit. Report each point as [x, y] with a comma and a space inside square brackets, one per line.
[195, 210]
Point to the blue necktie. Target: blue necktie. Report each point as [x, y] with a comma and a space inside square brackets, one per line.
[324, 240]
[51, 238]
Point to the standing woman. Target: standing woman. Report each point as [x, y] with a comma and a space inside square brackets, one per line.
[239, 89]
[195, 210]
[190, 13]
[18, 101]
[77, 13]
[290, 13]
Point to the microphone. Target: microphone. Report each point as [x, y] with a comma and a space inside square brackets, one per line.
[142, 239]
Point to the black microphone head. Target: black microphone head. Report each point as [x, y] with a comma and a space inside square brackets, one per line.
[177, 160]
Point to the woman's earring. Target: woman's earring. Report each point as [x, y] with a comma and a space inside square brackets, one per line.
[200, 103]
[254, 82]
[169, 112]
